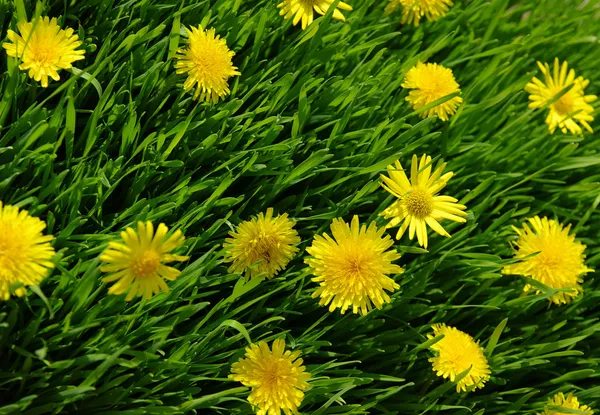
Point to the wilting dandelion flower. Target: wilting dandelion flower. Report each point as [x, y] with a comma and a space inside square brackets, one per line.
[25, 252]
[414, 10]
[456, 353]
[559, 262]
[568, 110]
[262, 246]
[277, 378]
[137, 263]
[43, 48]
[418, 204]
[430, 82]
[207, 63]
[568, 402]
[352, 267]
[303, 10]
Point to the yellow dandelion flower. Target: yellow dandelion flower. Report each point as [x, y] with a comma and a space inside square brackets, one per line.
[430, 82]
[262, 246]
[419, 204]
[24, 252]
[207, 63]
[457, 352]
[303, 10]
[571, 108]
[277, 378]
[138, 261]
[569, 402]
[351, 268]
[43, 48]
[414, 10]
[559, 262]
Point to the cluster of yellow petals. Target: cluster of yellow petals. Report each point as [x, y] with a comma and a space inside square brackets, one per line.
[262, 246]
[352, 267]
[572, 108]
[430, 82]
[25, 252]
[418, 204]
[415, 10]
[207, 62]
[277, 378]
[43, 48]
[137, 262]
[456, 353]
[567, 402]
[550, 255]
[302, 10]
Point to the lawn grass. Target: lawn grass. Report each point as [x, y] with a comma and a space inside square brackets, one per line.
[310, 124]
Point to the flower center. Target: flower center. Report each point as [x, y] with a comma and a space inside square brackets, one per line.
[356, 266]
[210, 62]
[262, 246]
[44, 54]
[418, 203]
[205, 63]
[435, 91]
[457, 362]
[565, 104]
[273, 376]
[146, 264]
[435, 86]
[553, 255]
[11, 248]
[549, 261]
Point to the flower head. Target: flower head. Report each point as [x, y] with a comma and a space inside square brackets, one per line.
[456, 353]
[207, 63]
[24, 252]
[277, 378]
[569, 402]
[430, 82]
[414, 10]
[303, 10]
[418, 204]
[351, 268]
[571, 108]
[43, 48]
[559, 262]
[137, 262]
[262, 246]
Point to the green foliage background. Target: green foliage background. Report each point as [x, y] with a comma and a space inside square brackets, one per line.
[310, 124]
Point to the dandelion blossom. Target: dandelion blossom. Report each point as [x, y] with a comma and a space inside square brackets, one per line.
[430, 82]
[277, 378]
[207, 63]
[137, 263]
[351, 268]
[569, 402]
[414, 10]
[456, 353]
[571, 108]
[303, 10]
[43, 48]
[262, 246]
[418, 204]
[25, 252]
[559, 262]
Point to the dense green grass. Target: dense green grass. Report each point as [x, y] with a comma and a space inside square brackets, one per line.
[311, 122]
